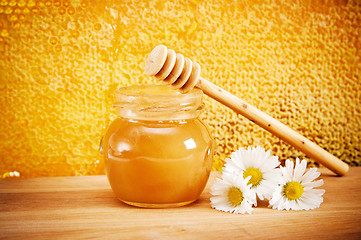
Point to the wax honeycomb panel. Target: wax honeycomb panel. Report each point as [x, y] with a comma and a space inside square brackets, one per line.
[61, 60]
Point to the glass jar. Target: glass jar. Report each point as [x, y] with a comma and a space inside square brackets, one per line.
[157, 153]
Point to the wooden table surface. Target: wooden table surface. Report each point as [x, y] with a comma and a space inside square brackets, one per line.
[85, 207]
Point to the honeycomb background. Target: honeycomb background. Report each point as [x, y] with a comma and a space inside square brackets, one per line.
[61, 60]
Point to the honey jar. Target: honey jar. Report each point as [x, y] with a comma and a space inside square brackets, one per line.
[157, 152]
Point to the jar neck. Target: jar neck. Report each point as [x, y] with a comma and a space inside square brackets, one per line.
[157, 103]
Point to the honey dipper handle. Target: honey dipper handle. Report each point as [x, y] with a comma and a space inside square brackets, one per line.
[274, 126]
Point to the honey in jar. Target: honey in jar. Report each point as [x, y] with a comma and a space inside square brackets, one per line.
[157, 153]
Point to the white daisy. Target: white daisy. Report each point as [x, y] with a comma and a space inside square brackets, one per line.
[232, 194]
[260, 165]
[296, 190]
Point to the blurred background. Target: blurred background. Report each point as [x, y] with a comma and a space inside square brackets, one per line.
[61, 60]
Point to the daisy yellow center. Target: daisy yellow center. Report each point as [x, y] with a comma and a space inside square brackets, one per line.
[256, 175]
[293, 190]
[235, 196]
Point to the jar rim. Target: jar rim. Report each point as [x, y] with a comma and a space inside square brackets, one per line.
[157, 102]
[158, 91]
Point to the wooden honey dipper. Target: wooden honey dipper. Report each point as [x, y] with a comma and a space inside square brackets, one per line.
[180, 72]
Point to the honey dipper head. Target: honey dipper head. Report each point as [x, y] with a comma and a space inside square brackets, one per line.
[174, 69]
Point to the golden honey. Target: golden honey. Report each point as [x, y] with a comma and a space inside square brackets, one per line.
[157, 153]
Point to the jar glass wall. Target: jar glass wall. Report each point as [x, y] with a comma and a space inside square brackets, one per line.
[157, 153]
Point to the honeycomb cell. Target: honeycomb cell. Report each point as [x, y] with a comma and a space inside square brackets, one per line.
[31, 3]
[16, 24]
[84, 3]
[35, 10]
[21, 17]
[71, 10]
[12, 3]
[75, 33]
[85, 47]
[61, 10]
[48, 3]
[58, 48]
[26, 10]
[40, 3]
[97, 26]
[57, 3]
[13, 18]
[104, 55]
[66, 3]
[22, 3]
[4, 3]
[17, 10]
[53, 40]
[8, 10]
[4, 33]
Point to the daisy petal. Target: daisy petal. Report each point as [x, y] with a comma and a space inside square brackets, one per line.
[299, 169]
[314, 184]
[310, 175]
[296, 189]
[232, 194]
[257, 163]
[287, 170]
